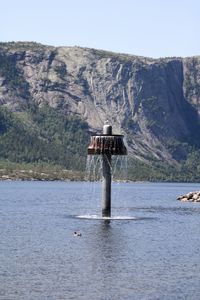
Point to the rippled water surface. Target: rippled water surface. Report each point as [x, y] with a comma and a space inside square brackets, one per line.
[153, 253]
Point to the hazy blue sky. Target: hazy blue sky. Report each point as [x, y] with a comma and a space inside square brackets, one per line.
[155, 28]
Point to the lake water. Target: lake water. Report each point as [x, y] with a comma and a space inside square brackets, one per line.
[156, 255]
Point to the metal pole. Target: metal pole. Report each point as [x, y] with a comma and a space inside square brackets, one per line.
[106, 185]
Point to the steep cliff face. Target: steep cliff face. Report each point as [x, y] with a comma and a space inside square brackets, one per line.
[191, 85]
[155, 103]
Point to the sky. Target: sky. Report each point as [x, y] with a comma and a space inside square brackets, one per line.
[152, 28]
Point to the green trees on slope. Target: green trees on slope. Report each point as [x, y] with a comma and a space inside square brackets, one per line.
[51, 137]
[46, 137]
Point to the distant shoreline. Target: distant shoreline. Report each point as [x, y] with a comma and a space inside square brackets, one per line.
[68, 176]
[30, 175]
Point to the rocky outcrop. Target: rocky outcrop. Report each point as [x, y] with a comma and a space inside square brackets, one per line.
[191, 197]
[154, 102]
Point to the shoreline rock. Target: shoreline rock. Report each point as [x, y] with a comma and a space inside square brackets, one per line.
[190, 197]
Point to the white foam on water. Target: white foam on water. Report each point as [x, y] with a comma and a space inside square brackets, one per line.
[96, 217]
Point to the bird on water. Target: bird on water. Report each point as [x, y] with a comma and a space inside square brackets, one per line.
[77, 233]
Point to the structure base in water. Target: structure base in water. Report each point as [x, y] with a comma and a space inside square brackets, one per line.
[96, 217]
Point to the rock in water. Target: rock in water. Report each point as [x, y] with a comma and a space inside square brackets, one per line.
[190, 197]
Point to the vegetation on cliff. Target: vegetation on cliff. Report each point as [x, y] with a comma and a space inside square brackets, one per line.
[52, 98]
[48, 137]
[44, 144]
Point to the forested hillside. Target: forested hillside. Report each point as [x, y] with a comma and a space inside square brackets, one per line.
[52, 99]
[43, 136]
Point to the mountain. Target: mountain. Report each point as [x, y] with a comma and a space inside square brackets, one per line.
[48, 94]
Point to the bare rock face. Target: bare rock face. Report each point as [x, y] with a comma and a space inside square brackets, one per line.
[191, 197]
[151, 101]
[191, 84]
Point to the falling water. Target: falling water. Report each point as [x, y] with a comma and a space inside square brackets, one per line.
[93, 174]
[101, 167]
[94, 168]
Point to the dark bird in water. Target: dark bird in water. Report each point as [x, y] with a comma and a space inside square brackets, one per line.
[77, 233]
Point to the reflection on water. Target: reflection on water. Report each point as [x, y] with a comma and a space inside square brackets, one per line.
[154, 257]
[168, 210]
[104, 246]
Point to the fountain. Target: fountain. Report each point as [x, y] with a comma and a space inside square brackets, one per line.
[106, 145]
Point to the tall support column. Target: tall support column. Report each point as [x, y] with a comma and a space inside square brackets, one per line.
[106, 185]
[106, 145]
